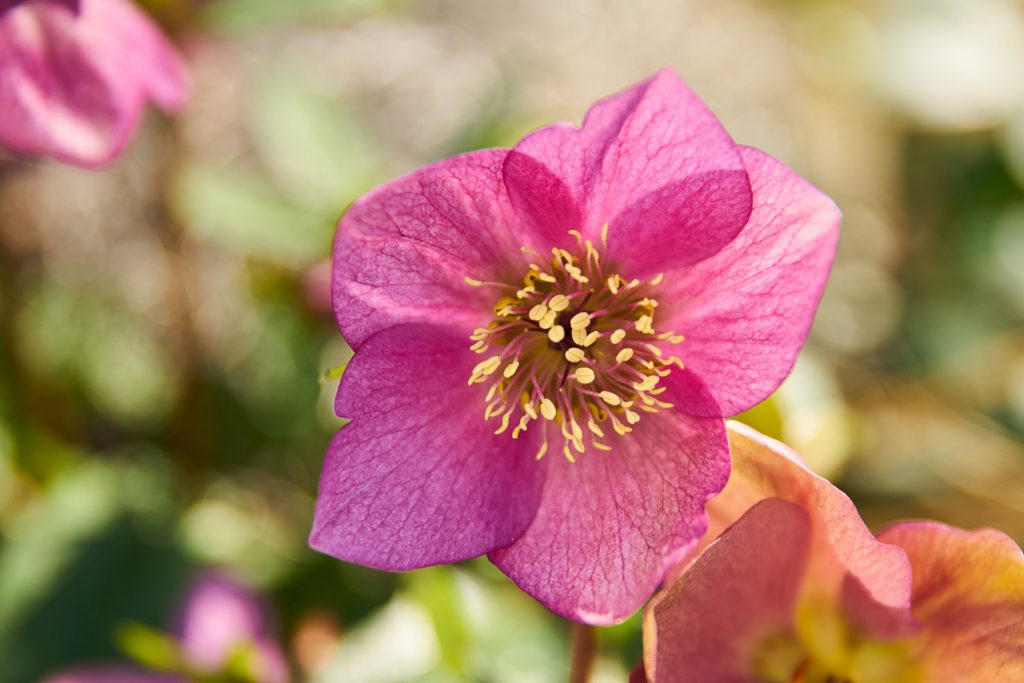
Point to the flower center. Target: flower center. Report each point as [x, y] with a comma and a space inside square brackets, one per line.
[573, 348]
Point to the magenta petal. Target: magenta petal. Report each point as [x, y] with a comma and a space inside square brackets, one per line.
[73, 81]
[111, 674]
[418, 478]
[740, 591]
[746, 311]
[403, 250]
[652, 162]
[610, 525]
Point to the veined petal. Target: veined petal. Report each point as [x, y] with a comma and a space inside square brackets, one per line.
[610, 525]
[708, 625]
[869, 578]
[418, 477]
[969, 597]
[219, 616]
[652, 162]
[403, 251]
[746, 311]
[75, 78]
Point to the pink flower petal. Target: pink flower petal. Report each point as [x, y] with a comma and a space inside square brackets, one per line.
[871, 578]
[218, 617]
[746, 311]
[111, 674]
[652, 162]
[742, 590]
[418, 478]
[610, 525]
[74, 81]
[969, 597]
[403, 250]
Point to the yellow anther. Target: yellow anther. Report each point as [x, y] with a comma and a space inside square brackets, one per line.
[592, 426]
[624, 355]
[577, 431]
[584, 375]
[578, 444]
[525, 292]
[610, 398]
[632, 283]
[658, 278]
[528, 250]
[575, 355]
[490, 392]
[511, 368]
[580, 321]
[559, 302]
[568, 453]
[538, 312]
[577, 234]
[504, 423]
[543, 450]
[579, 335]
[556, 333]
[654, 349]
[473, 283]
[548, 320]
[547, 278]
[621, 429]
[599, 446]
[591, 338]
[613, 284]
[530, 410]
[484, 368]
[548, 410]
[478, 346]
[631, 417]
[644, 324]
[618, 336]
[604, 234]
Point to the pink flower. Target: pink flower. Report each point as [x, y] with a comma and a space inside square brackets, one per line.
[540, 303]
[796, 589]
[222, 627]
[75, 74]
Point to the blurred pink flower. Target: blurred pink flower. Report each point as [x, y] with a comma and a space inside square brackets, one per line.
[222, 627]
[75, 75]
[796, 589]
[575, 263]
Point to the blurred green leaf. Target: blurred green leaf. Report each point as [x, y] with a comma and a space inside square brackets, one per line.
[435, 590]
[314, 146]
[149, 647]
[243, 213]
[246, 15]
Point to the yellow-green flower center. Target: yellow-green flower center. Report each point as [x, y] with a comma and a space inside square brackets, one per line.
[573, 347]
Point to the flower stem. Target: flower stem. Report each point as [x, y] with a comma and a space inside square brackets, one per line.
[584, 649]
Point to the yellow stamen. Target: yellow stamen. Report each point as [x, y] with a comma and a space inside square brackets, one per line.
[556, 333]
[511, 368]
[618, 336]
[547, 409]
[580, 321]
[624, 355]
[559, 303]
[610, 398]
[584, 375]
[575, 355]
[473, 283]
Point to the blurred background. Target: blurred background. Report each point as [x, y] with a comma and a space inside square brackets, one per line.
[166, 333]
